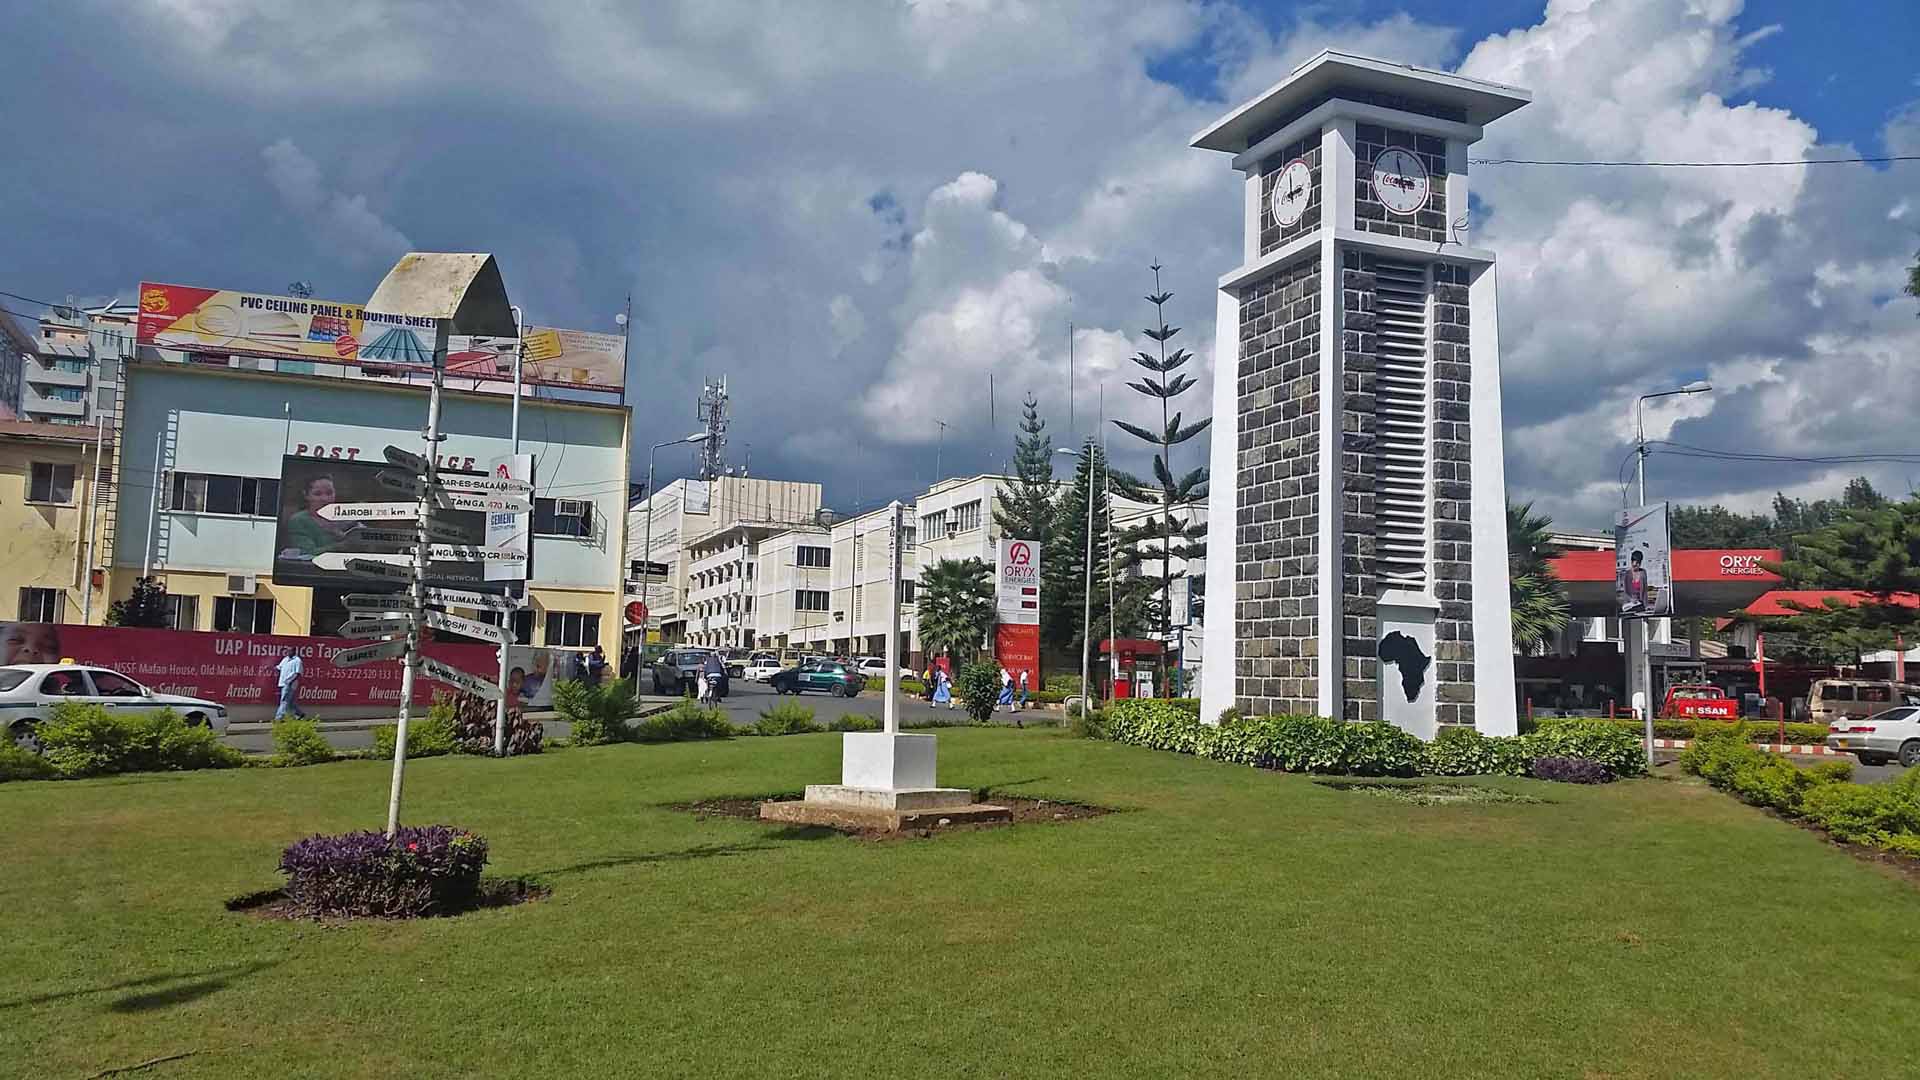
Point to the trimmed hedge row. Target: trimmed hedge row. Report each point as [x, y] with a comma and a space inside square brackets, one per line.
[1880, 815]
[1316, 744]
[87, 740]
[1759, 731]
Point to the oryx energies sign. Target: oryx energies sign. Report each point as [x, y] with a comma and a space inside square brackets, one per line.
[1017, 594]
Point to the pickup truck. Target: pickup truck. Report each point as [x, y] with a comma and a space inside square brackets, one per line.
[1699, 701]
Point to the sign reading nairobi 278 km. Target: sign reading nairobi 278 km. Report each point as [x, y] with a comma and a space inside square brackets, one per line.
[1017, 593]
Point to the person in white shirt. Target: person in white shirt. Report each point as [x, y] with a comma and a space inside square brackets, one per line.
[290, 669]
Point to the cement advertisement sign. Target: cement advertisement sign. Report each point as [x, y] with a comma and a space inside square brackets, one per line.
[1643, 562]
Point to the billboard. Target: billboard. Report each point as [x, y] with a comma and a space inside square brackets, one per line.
[311, 546]
[1642, 562]
[1017, 592]
[225, 322]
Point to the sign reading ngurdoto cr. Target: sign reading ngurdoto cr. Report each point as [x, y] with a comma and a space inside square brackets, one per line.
[336, 517]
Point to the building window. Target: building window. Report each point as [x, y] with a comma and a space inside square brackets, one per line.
[810, 600]
[967, 516]
[71, 367]
[75, 394]
[40, 605]
[243, 615]
[51, 483]
[571, 518]
[934, 524]
[217, 493]
[521, 623]
[812, 556]
[579, 628]
[183, 612]
[906, 592]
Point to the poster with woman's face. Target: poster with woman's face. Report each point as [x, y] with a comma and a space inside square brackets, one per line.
[313, 538]
[29, 643]
[1642, 562]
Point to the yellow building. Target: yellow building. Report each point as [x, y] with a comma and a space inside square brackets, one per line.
[48, 495]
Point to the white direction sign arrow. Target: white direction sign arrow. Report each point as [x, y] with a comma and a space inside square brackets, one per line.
[370, 511]
[400, 569]
[470, 553]
[369, 628]
[434, 669]
[440, 620]
[485, 485]
[410, 485]
[406, 459]
[385, 536]
[367, 654]
[375, 601]
[490, 504]
[463, 598]
[449, 533]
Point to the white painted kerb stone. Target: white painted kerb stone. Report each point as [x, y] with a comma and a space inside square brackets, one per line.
[876, 759]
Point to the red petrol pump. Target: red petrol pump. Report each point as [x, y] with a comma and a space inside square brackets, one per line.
[1124, 657]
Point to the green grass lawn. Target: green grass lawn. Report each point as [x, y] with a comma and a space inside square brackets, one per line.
[1232, 923]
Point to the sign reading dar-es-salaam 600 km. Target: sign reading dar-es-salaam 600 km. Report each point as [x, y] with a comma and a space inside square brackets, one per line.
[190, 318]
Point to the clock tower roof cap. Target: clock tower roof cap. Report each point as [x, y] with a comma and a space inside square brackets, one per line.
[1478, 100]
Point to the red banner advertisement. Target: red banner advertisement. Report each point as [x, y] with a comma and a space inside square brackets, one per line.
[238, 670]
[1017, 648]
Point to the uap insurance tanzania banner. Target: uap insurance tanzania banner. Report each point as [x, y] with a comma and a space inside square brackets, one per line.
[192, 319]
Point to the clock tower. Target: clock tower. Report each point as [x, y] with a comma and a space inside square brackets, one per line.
[1356, 530]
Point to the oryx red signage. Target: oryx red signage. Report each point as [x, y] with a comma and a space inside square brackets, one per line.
[1018, 588]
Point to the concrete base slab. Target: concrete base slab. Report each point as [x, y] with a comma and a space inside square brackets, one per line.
[863, 819]
[902, 799]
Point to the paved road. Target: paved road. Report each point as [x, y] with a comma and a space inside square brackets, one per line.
[745, 701]
[353, 738]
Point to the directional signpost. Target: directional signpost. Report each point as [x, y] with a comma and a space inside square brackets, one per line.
[440, 620]
[370, 565]
[463, 598]
[486, 485]
[372, 628]
[377, 601]
[386, 536]
[370, 511]
[452, 676]
[488, 504]
[366, 654]
[447, 532]
[406, 459]
[471, 553]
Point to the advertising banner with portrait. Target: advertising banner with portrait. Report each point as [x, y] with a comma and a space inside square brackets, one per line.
[311, 545]
[1643, 562]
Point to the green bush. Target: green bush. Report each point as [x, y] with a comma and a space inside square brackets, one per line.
[17, 763]
[1296, 743]
[1868, 813]
[1090, 724]
[299, 742]
[978, 688]
[1716, 755]
[1592, 740]
[685, 722]
[599, 714]
[427, 736]
[1759, 731]
[854, 722]
[1065, 685]
[1462, 751]
[1154, 724]
[786, 718]
[87, 740]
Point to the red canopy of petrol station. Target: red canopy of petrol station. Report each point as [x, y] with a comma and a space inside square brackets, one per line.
[1706, 581]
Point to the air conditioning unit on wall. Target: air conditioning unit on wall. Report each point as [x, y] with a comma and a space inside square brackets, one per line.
[242, 584]
[579, 508]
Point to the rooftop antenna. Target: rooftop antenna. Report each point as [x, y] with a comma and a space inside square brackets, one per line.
[713, 411]
[301, 289]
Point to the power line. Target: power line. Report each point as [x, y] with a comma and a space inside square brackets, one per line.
[1695, 164]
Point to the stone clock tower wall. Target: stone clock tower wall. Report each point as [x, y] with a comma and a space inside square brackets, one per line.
[1357, 410]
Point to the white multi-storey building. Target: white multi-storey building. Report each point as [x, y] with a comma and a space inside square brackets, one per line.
[685, 511]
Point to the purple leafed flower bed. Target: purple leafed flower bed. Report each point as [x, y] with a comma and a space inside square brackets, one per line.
[424, 870]
[1570, 770]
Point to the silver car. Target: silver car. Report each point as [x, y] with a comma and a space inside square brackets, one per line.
[28, 693]
[1877, 739]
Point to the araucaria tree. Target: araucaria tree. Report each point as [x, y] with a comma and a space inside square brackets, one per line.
[1173, 533]
[145, 606]
[1870, 549]
[1024, 511]
[955, 607]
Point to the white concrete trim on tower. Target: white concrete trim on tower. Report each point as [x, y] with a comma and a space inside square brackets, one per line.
[1335, 151]
[1494, 708]
[1251, 245]
[1266, 264]
[1249, 160]
[1223, 489]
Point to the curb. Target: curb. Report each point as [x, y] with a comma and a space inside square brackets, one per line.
[1771, 748]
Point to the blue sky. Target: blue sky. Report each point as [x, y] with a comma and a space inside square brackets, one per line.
[857, 211]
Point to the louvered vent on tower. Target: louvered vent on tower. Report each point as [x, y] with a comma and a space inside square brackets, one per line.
[1401, 424]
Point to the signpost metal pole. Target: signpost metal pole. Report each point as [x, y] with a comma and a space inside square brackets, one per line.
[417, 591]
[506, 619]
[890, 711]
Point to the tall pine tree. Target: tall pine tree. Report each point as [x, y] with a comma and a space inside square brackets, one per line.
[1173, 534]
[1024, 510]
[1874, 549]
[1064, 606]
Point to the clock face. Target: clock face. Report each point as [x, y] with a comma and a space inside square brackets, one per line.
[1400, 181]
[1292, 190]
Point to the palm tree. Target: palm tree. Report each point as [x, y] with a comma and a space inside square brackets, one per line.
[1538, 602]
[955, 606]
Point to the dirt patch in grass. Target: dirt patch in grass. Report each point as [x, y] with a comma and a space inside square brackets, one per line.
[494, 893]
[1429, 794]
[1025, 812]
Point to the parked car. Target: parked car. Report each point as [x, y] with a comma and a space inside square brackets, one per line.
[761, 670]
[28, 693]
[826, 676]
[678, 672]
[875, 667]
[1877, 739]
[1832, 700]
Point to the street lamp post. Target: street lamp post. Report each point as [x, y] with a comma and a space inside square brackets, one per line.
[1086, 596]
[1639, 665]
[646, 555]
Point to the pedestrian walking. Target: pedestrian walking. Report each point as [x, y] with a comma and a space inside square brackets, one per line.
[942, 688]
[1023, 690]
[1006, 688]
[290, 669]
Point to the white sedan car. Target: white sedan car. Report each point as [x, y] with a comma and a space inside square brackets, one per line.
[1893, 733]
[28, 693]
[875, 667]
[762, 670]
